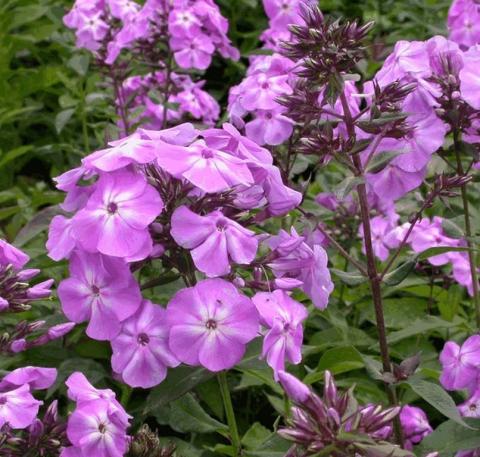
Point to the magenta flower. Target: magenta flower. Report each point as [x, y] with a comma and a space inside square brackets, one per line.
[211, 323]
[116, 218]
[211, 170]
[464, 22]
[269, 127]
[262, 91]
[193, 52]
[380, 227]
[18, 408]
[470, 78]
[60, 241]
[97, 429]
[10, 255]
[415, 425]
[214, 240]
[460, 365]
[35, 377]
[295, 259]
[100, 290]
[283, 316]
[140, 351]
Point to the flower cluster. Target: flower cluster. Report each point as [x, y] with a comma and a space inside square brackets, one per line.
[17, 296]
[196, 28]
[98, 425]
[334, 422]
[186, 198]
[187, 100]
[464, 22]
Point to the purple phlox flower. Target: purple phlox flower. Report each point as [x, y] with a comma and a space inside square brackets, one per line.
[211, 323]
[262, 90]
[442, 50]
[461, 270]
[92, 29]
[295, 259]
[140, 351]
[408, 58]
[283, 316]
[460, 364]
[61, 241]
[10, 255]
[228, 138]
[426, 235]
[380, 227]
[123, 152]
[123, 9]
[464, 22]
[37, 378]
[98, 429]
[77, 196]
[116, 217]
[294, 388]
[18, 408]
[393, 182]
[192, 52]
[269, 127]
[282, 13]
[471, 407]
[213, 239]
[415, 425]
[211, 170]
[469, 77]
[183, 23]
[100, 290]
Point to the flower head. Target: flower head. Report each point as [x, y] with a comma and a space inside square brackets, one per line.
[210, 324]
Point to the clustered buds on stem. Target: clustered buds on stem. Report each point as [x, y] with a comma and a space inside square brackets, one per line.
[146, 443]
[335, 424]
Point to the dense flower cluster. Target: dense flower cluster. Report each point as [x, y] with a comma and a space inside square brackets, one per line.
[187, 100]
[170, 193]
[196, 28]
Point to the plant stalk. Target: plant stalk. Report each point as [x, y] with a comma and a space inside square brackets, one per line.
[468, 228]
[227, 404]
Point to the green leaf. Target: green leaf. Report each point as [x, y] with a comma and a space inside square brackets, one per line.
[420, 326]
[451, 229]
[179, 381]
[438, 398]
[451, 437]
[337, 360]
[400, 273]
[36, 225]
[349, 278]
[346, 186]
[62, 118]
[274, 446]
[380, 161]
[14, 154]
[186, 415]
[255, 436]
[440, 250]
[80, 63]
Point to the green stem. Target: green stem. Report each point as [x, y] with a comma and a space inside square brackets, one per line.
[468, 228]
[227, 404]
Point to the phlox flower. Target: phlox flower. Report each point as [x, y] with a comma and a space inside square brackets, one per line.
[269, 127]
[470, 77]
[471, 407]
[10, 255]
[100, 290]
[116, 217]
[35, 377]
[283, 316]
[296, 259]
[211, 170]
[98, 425]
[460, 364]
[18, 408]
[140, 351]
[193, 52]
[214, 240]
[464, 22]
[210, 324]
[61, 241]
[415, 425]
